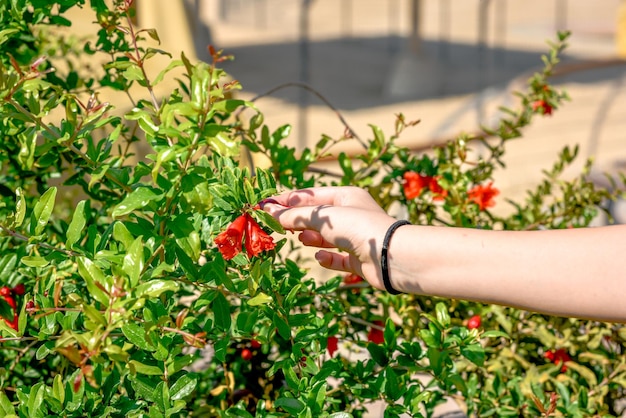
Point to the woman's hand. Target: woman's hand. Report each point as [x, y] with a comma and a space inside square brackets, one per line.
[345, 218]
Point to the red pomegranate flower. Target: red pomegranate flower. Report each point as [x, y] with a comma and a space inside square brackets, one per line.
[257, 240]
[483, 195]
[559, 356]
[542, 105]
[439, 193]
[376, 335]
[331, 345]
[352, 278]
[229, 241]
[414, 183]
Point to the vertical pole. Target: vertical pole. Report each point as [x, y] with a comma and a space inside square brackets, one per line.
[444, 31]
[501, 30]
[303, 98]
[393, 23]
[483, 10]
[416, 16]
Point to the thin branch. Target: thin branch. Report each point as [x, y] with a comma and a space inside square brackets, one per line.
[319, 96]
[21, 237]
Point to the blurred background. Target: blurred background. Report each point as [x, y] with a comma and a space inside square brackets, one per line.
[449, 63]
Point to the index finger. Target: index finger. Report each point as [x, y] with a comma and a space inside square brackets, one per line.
[321, 196]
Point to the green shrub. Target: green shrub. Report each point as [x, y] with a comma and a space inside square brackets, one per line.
[117, 301]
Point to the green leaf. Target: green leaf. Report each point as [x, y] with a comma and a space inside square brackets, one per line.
[283, 328]
[133, 262]
[42, 211]
[291, 405]
[260, 299]
[584, 372]
[5, 34]
[270, 221]
[221, 348]
[378, 353]
[136, 334]
[428, 338]
[291, 377]
[183, 387]
[246, 321]
[144, 386]
[474, 353]
[221, 311]
[442, 314]
[44, 349]
[138, 198]
[231, 105]
[392, 389]
[57, 389]
[76, 226]
[92, 275]
[141, 368]
[20, 207]
[154, 288]
[121, 234]
[495, 334]
[34, 261]
[5, 405]
[35, 399]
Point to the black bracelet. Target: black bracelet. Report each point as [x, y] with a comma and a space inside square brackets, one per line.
[384, 264]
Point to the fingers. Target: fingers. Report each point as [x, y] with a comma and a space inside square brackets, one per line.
[334, 261]
[300, 218]
[318, 196]
[314, 239]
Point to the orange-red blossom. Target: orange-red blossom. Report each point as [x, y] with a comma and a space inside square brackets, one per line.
[483, 195]
[243, 231]
[414, 183]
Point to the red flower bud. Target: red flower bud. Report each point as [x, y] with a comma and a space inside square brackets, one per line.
[30, 306]
[14, 322]
[77, 381]
[331, 345]
[376, 335]
[5, 291]
[474, 322]
[246, 354]
[255, 344]
[20, 289]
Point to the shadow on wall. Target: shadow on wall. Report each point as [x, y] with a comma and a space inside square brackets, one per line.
[360, 73]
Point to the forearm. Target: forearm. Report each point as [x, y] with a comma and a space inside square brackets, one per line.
[580, 272]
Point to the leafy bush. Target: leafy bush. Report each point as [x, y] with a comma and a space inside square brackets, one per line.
[119, 299]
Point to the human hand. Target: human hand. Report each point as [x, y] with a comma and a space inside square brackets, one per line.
[345, 218]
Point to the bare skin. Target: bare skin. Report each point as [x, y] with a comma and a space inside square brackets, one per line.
[576, 272]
